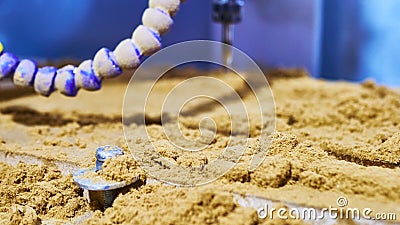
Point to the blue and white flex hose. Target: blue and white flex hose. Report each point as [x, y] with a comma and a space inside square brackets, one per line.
[145, 40]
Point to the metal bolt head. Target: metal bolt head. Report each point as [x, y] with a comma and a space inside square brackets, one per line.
[101, 193]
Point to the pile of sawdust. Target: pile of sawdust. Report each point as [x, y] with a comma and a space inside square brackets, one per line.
[122, 168]
[159, 204]
[333, 139]
[32, 193]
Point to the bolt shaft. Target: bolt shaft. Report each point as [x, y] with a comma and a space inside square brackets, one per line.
[109, 197]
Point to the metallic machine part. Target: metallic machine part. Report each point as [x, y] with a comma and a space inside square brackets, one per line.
[228, 12]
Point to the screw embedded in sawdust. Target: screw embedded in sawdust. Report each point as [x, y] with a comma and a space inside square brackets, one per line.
[102, 193]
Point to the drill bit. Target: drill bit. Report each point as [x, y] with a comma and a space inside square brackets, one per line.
[227, 38]
[227, 12]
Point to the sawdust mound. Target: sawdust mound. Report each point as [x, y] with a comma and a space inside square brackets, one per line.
[31, 193]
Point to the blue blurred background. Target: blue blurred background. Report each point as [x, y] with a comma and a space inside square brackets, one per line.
[333, 39]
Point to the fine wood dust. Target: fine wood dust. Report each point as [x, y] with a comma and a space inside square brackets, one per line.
[32, 193]
[332, 139]
[122, 168]
[160, 204]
